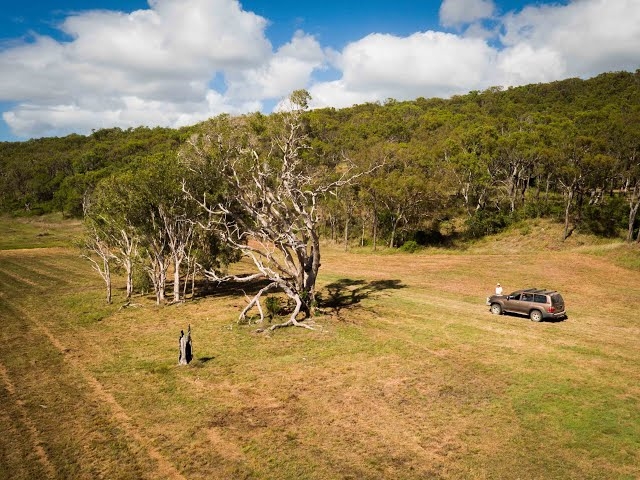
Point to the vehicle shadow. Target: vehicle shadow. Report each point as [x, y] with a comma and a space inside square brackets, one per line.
[346, 292]
[544, 320]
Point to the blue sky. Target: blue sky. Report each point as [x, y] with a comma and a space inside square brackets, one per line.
[83, 65]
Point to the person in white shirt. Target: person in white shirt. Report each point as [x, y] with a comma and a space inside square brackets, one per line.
[498, 289]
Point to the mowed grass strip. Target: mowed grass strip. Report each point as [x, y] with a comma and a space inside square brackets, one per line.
[20, 443]
[75, 430]
[38, 232]
[406, 376]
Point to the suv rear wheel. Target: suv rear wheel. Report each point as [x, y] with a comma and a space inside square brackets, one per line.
[535, 315]
[496, 309]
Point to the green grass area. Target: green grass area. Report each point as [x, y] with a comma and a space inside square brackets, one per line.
[625, 255]
[407, 375]
[38, 232]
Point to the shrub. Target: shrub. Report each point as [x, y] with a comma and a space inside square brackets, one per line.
[483, 223]
[410, 247]
[141, 281]
[553, 208]
[605, 219]
[272, 304]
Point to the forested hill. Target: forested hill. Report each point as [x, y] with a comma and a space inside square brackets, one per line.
[49, 174]
[568, 149]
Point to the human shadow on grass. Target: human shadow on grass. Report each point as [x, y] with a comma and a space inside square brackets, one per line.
[347, 292]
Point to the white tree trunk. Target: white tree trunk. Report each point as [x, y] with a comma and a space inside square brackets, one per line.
[107, 278]
[634, 205]
[176, 280]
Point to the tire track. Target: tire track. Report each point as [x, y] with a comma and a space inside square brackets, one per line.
[77, 270]
[31, 428]
[58, 266]
[46, 276]
[165, 468]
[18, 278]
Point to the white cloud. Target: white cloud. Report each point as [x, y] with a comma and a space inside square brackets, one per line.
[290, 68]
[433, 59]
[149, 67]
[166, 65]
[523, 63]
[173, 36]
[127, 111]
[539, 44]
[458, 12]
[586, 36]
[382, 66]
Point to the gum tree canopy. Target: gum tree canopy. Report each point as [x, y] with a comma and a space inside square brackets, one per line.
[268, 208]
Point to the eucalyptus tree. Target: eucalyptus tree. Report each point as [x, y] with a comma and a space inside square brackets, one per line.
[402, 188]
[126, 206]
[146, 220]
[269, 208]
[517, 152]
[624, 144]
[115, 206]
[467, 153]
[584, 170]
[97, 250]
[168, 222]
[633, 197]
[347, 199]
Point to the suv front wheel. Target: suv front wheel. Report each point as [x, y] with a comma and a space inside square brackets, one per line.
[496, 309]
[535, 315]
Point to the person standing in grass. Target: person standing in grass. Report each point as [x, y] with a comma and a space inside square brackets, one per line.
[498, 289]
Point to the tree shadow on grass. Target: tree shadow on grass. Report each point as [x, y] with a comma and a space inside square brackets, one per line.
[334, 297]
[230, 288]
[347, 292]
[201, 361]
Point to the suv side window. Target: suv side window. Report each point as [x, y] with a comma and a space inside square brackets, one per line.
[540, 298]
[527, 297]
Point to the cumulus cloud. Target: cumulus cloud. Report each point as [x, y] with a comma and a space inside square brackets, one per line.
[587, 37]
[382, 66]
[538, 44]
[458, 12]
[151, 67]
[289, 69]
[181, 61]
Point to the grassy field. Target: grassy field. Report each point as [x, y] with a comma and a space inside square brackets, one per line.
[406, 376]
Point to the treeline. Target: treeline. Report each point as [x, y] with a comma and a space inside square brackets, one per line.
[467, 165]
[58, 174]
[568, 150]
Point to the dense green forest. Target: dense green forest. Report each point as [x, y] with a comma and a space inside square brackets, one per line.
[468, 165]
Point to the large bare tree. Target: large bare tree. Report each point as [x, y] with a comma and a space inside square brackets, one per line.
[269, 210]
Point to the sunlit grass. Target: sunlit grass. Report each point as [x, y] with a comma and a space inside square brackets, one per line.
[407, 374]
[37, 232]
